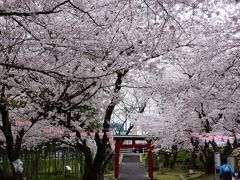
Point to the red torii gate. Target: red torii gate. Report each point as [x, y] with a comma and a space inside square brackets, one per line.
[119, 144]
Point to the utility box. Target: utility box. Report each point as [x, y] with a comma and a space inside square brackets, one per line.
[234, 159]
[68, 169]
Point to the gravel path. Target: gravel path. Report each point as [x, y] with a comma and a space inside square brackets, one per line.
[132, 169]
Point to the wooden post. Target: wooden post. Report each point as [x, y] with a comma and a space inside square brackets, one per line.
[116, 163]
[55, 158]
[49, 161]
[150, 161]
[45, 164]
[78, 170]
[63, 165]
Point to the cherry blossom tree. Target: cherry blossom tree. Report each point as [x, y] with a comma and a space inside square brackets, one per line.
[198, 90]
[202, 76]
[58, 56]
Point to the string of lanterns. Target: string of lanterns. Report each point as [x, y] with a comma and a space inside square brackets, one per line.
[83, 134]
[48, 132]
[208, 138]
[58, 132]
[22, 124]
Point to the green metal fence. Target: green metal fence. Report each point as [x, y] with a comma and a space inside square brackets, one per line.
[50, 161]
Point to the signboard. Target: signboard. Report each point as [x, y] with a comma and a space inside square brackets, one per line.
[18, 165]
[231, 161]
[238, 162]
[217, 160]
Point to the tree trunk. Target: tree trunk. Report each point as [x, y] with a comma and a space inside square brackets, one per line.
[13, 151]
[193, 153]
[208, 164]
[161, 159]
[192, 160]
[173, 160]
[94, 169]
[94, 175]
[207, 158]
[174, 156]
[166, 159]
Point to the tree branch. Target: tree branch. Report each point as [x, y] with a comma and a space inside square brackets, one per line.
[107, 160]
[112, 104]
[67, 143]
[55, 74]
[25, 14]
[26, 29]
[45, 72]
[85, 12]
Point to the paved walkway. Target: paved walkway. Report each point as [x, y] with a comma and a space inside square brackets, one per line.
[132, 169]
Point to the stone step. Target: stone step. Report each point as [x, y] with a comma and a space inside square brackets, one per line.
[130, 158]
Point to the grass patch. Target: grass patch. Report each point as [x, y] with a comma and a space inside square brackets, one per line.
[169, 175]
[176, 175]
[164, 177]
[207, 177]
[108, 175]
[56, 177]
[196, 175]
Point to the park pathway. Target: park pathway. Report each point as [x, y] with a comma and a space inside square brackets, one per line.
[131, 168]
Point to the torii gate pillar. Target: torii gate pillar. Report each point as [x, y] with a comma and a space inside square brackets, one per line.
[150, 161]
[116, 163]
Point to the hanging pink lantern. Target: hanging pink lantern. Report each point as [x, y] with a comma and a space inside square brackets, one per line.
[92, 135]
[23, 123]
[47, 130]
[72, 134]
[231, 139]
[83, 134]
[101, 135]
[20, 123]
[60, 132]
[199, 136]
[219, 138]
[28, 123]
[109, 134]
[225, 138]
[210, 138]
[16, 123]
[202, 138]
[207, 139]
[194, 134]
